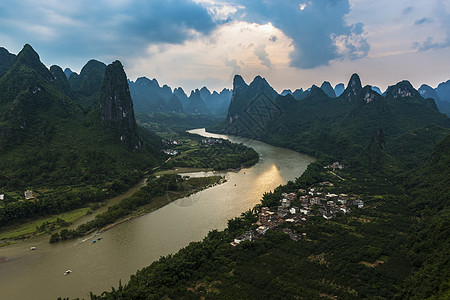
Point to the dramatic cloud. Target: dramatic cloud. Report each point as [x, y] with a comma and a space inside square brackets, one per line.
[103, 28]
[191, 43]
[318, 29]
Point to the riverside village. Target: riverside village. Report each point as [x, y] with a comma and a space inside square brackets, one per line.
[297, 208]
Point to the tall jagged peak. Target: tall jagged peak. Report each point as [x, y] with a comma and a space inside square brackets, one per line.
[238, 83]
[328, 89]
[353, 88]
[355, 82]
[27, 56]
[259, 81]
[403, 89]
[116, 105]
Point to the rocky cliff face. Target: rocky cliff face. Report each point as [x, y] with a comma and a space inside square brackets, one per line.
[353, 89]
[117, 107]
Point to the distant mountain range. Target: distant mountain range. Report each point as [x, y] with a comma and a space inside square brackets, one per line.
[149, 96]
[441, 94]
[315, 119]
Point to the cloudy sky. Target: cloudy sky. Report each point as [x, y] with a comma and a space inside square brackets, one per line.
[292, 43]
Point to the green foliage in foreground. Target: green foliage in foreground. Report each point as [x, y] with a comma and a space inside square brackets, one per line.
[397, 246]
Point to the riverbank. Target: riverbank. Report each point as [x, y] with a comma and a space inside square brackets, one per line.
[140, 241]
[158, 202]
[16, 233]
[158, 192]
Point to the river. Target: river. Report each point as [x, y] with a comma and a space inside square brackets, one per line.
[135, 244]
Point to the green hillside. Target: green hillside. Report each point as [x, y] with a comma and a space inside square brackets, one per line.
[323, 126]
[48, 144]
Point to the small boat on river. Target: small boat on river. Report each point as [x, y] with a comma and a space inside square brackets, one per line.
[67, 272]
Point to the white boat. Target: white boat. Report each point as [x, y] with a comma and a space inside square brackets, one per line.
[67, 272]
[33, 248]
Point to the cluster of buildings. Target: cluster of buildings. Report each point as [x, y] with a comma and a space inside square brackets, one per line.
[210, 141]
[170, 152]
[171, 142]
[335, 166]
[28, 195]
[297, 208]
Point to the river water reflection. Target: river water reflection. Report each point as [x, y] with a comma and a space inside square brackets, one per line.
[135, 244]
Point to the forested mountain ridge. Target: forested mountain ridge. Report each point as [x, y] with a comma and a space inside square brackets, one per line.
[321, 125]
[51, 145]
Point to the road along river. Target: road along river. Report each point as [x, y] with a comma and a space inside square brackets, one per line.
[96, 267]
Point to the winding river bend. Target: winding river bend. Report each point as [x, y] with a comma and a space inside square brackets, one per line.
[124, 249]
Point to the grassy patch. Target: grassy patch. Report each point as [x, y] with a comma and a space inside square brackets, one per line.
[29, 228]
[182, 170]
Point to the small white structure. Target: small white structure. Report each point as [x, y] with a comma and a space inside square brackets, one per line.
[2, 196]
[359, 203]
[28, 194]
[294, 210]
[262, 229]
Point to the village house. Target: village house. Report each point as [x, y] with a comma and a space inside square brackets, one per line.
[335, 165]
[304, 200]
[262, 229]
[28, 194]
[289, 196]
[2, 196]
[344, 209]
[305, 210]
[285, 203]
[265, 216]
[315, 200]
[170, 152]
[358, 203]
[294, 210]
[331, 196]
[282, 212]
[247, 236]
